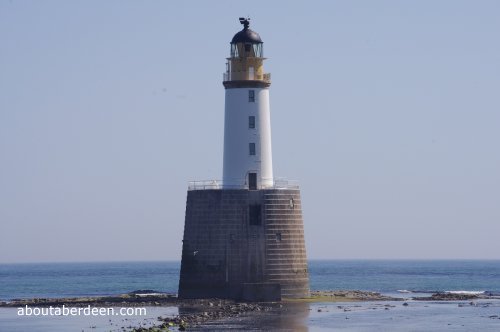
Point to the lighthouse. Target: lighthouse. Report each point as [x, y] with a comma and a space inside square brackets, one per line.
[247, 122]
[244, 236]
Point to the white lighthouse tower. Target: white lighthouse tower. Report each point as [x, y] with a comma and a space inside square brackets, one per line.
[247, 124]
[244, 240]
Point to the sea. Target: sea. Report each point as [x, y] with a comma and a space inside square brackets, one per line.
[399, 278]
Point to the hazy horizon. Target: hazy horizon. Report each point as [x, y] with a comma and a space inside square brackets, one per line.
[309, 259]
[387, 113]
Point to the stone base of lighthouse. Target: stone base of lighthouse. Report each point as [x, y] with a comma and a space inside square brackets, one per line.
[244, 244]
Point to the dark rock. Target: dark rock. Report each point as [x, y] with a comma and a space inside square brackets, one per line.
[448, 297]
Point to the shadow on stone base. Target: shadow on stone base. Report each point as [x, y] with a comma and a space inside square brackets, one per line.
[261, 292]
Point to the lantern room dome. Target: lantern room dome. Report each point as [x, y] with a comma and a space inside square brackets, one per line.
[246, 36]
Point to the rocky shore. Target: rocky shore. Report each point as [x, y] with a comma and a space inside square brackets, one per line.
[193, 312]
[150, 298]
[441, 296]
[199, 313]
[133, 299]
[208, 311]
[347, 296]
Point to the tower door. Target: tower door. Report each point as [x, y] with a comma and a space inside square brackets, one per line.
[252, 181]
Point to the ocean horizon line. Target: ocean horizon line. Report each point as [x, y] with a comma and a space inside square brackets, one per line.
[310, 259]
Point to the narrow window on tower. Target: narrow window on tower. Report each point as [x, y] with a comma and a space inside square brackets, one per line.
[251, 96]
[251, 122]
[251, 147]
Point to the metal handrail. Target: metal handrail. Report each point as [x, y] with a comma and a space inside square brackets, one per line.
[245, 76]
[218, 184]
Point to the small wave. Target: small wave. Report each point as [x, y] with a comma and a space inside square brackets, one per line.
[404, 291]
[464, 292]
[425, 291]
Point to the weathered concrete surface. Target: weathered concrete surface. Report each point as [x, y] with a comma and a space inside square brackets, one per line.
[236, 237]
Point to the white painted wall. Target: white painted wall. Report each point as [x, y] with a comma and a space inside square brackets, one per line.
[237, 136]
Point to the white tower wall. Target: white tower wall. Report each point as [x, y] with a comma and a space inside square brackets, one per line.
[238, 161]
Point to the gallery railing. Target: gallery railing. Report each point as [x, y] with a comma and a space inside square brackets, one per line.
[217, 184]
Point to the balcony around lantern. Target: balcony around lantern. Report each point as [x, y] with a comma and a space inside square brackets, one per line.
[246, 76]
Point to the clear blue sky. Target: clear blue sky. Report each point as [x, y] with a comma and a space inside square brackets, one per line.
[386, 112]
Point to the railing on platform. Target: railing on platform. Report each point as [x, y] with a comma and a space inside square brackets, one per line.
[245, 76]
[218, 184]
[205, 185]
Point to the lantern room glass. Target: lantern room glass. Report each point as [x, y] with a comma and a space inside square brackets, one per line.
[247, 50]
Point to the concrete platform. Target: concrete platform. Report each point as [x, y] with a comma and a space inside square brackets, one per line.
[236, 239]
